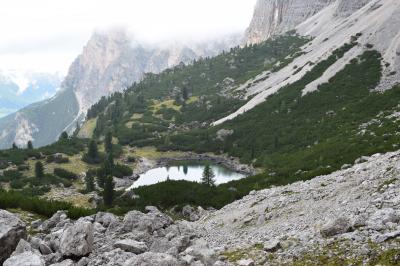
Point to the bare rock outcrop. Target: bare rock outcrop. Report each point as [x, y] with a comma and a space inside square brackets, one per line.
[12, 229]
[272, 17]
[77, 240]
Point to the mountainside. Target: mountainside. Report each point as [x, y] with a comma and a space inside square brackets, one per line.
[331, 28]
[110, 62]
[19, 89]
[302, 98]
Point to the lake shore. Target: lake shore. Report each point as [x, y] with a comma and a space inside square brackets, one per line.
[146, 164]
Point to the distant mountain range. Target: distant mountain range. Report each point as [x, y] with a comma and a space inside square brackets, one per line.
[19, 89]
[110, 62]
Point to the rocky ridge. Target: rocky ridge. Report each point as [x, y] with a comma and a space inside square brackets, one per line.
[354, 213]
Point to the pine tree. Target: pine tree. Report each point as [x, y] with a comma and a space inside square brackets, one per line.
[208, 176]
[101, 177]
[89, 180]
[108, 194]
[93, 152]
[108, 164]
[30, 145]
[14, 146]
[185, 94]
[39, 170]
[64, 136]
[108, 142]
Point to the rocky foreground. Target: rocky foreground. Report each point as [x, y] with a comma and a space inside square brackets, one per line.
[350, 217]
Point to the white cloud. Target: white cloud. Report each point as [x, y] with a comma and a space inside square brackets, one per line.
[46, 35]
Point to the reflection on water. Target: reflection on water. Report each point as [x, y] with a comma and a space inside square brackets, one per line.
[189, 172]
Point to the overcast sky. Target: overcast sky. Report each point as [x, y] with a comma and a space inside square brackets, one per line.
[47, 35]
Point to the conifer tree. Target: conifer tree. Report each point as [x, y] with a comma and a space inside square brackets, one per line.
[108, 194]
[64, 136]
[93, 152]
[39, 170]
[89, 180]
[30, 145]
[185, 94]
[108, 142]
[208, 176]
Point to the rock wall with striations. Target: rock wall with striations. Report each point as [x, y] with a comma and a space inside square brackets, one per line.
[272, 17]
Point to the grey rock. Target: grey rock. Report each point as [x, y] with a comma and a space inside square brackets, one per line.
[222, 263]
[388, 236]
[36, 224]
[115, 257]
[335, 227]
[362, 159]
[53, 258]
[245, 262]
[272, 245]
[53, 240]
[12, 230]
[187, 259]
[83, 262]
[64, 263]
[25, 259]
[150, 259]
[59, 218]
[149, 222]
[105, 219]
[45, 249]
[23, 246]
[381, 218]
[77, 240]
[202, 252]
[133, 246]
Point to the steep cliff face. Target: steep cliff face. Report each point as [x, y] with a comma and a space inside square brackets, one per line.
[272, 17]
[110, 62]
[113, 61]
[347, 7]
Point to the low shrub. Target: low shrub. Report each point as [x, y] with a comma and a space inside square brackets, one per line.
[60, 172]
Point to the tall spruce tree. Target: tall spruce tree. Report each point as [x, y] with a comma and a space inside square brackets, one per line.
[89, 180]
[108, 142]
[64, 136]
[108, 193]
[30, 145]
[208, 176]
[93, 151]
[39, 170]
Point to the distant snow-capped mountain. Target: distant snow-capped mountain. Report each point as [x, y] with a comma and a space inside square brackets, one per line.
[21, 88]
